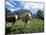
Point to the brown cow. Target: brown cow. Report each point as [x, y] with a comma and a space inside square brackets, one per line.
[11, 19]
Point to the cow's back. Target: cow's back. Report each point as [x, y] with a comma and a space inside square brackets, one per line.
[10, 19]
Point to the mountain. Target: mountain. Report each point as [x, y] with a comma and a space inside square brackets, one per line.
[21, 12]
[8, 12]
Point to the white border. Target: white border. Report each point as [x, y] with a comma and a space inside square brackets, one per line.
[2, 18]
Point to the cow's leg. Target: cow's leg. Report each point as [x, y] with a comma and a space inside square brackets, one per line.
[13, 24]
[28, 22]
[24, 27]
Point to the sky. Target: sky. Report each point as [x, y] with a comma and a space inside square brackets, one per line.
[16, 5]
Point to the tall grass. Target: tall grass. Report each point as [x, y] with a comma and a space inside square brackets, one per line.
[34, 26]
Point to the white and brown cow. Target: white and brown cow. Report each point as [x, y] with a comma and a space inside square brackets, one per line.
[26, 17]
[11, 19]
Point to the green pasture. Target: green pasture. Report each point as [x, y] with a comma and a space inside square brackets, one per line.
[34, 26]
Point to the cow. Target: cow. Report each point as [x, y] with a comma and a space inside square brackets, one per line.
[26, 17]
[11, 19]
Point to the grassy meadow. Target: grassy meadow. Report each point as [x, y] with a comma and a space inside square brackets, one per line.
[34, 26]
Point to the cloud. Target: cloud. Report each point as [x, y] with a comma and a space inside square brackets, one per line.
[7, 3]
[33, 5]
[28, 4]
[11, 5]
[14, 9]
[37, 6]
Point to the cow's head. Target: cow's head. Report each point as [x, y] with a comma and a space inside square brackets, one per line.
[30, 15]
[16, 17]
